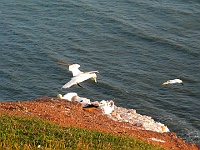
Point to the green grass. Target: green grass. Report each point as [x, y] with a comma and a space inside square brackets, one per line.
[28, 133]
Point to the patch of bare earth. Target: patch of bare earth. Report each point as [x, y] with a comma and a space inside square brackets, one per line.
[67, 113]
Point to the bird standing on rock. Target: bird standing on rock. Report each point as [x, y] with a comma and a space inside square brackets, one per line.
[107, 106]
[72, 96]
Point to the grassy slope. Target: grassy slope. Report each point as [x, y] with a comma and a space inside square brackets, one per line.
[32, 133]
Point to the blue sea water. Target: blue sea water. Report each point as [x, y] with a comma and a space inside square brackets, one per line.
[136, 45]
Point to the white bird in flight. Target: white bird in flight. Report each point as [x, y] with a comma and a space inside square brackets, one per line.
[78, 76]
[173, 81]
[72, 96]
[107, 106]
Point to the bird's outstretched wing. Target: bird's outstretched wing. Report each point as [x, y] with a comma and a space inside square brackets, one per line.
[78, 79]
[72, 67]
[63, 63]
[70, 83]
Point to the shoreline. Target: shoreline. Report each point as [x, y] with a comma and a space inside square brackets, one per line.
[66, 113]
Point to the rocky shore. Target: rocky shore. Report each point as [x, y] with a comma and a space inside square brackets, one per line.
[130, 116]
[121, 121]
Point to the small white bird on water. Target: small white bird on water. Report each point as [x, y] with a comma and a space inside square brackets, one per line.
[78, 76]
[72, 96]
[173, 81]
[107, 106]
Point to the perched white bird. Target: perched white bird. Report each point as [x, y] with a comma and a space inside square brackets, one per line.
[107, 106]
[78, 76]
[67, 96]
[72, 96]
[173, 81]
[84, 101]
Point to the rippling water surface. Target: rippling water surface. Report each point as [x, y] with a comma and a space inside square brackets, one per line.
[136, 45]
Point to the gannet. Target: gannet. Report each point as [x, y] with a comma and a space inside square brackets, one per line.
[173, 81]
[67, 96]
[107, 106]
[78, 76]
[72, 96]
[84, 101]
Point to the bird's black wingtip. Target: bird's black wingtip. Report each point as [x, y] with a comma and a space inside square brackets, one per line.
[79, 85]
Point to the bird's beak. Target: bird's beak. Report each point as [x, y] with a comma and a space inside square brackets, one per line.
[95, 79]
[165, 83]
[59, 96]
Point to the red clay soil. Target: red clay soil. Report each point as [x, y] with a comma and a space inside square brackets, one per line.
[67, 113]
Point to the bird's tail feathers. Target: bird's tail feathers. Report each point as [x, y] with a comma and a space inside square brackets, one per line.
[94, 72]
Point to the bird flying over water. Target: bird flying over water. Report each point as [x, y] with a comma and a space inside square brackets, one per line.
[173, 81]
[78, 76]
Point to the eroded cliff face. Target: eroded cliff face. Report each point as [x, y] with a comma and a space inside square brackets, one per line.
[67, 113]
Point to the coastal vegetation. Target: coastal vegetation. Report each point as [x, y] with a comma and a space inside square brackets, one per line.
[34, 133]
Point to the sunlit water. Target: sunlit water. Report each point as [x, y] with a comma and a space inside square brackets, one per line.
[136, 45]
